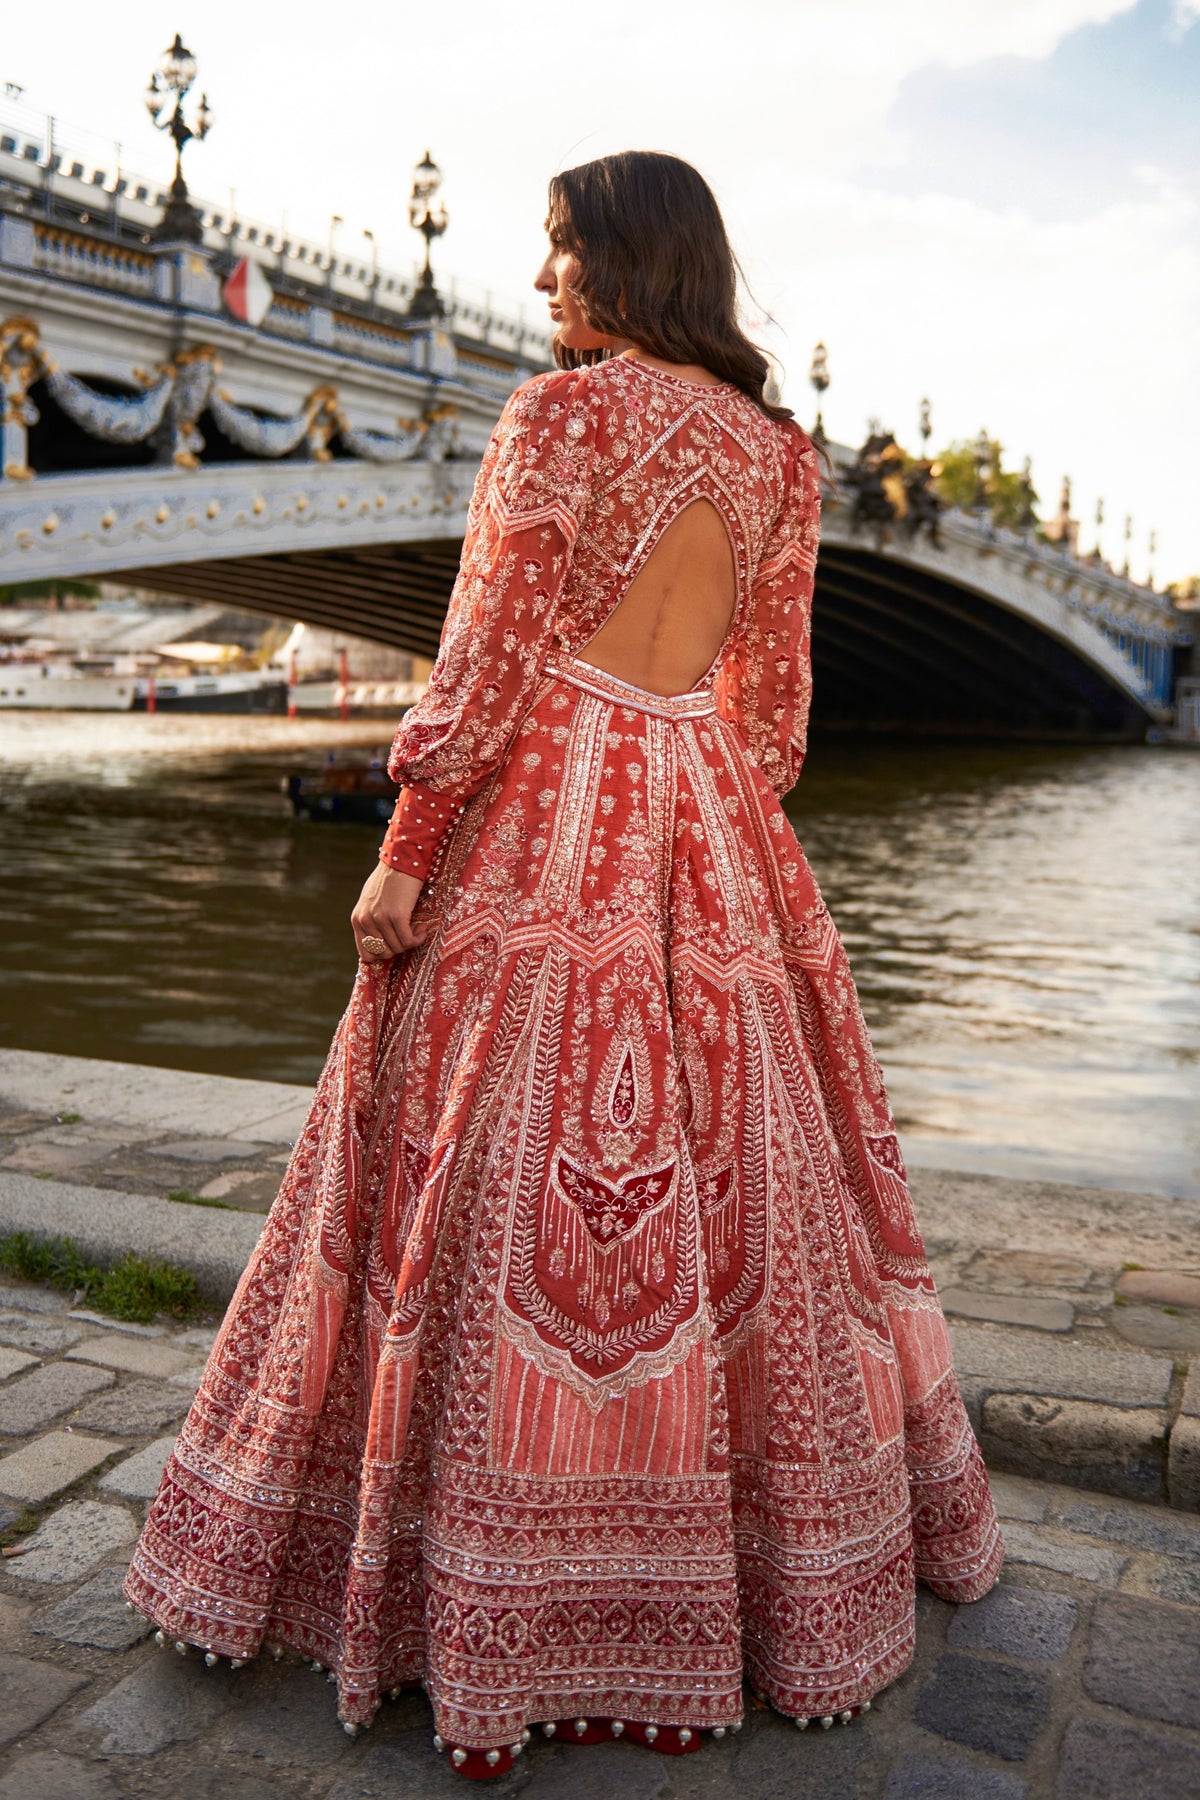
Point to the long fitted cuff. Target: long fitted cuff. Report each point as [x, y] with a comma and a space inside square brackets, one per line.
[419, 827]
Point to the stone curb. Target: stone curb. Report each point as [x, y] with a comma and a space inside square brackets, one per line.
[214, 1245]
[159, 1100]
[1015, 1362]
[1183, 1456]
[1084, 1417]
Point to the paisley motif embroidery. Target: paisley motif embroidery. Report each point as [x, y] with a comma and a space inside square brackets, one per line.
[622, 1099]
[715, 1190]
[885, 1150]
[890, 1184]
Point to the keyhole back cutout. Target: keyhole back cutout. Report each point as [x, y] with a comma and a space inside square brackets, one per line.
[670, 622]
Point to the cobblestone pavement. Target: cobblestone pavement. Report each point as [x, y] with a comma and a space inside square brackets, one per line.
[1077, 1679]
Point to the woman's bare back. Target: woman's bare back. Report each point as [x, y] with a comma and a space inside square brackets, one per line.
[670, 622]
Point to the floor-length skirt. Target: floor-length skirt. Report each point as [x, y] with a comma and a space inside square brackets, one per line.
[589, 1361]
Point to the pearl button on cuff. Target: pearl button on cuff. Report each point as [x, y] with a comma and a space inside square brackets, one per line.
[418, 832]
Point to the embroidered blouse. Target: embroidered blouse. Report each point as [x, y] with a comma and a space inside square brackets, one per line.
[584, 471]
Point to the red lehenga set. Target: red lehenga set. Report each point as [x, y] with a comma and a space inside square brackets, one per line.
[590, 1361]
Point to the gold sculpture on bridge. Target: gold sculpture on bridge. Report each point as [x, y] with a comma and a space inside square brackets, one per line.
[21, 365]
[177, 395]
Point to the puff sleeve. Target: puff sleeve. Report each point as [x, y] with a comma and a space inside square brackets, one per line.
[764, 683]
[522, 522]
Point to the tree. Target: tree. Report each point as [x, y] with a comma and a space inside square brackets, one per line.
[21, 592]
[1010, 498]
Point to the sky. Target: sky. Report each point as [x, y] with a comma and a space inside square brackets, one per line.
[990, 202]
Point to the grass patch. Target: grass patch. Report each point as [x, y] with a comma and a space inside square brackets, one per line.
[136, 1288]
[185, 1197]
[69, 1119]
[56, 1260]
[21, 1527]
[28, 1522]
[1133, 1265]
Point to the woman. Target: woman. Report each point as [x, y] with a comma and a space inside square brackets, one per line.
[590, 1358]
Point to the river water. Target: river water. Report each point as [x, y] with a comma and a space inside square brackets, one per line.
[1023, 921]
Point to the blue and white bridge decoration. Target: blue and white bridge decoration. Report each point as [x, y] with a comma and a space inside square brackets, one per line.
[317, 466]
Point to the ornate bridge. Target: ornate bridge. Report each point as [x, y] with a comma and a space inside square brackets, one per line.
[317, 466]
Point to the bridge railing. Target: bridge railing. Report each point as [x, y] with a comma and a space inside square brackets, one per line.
[79, 256]
[1141, 626]
[94, 221]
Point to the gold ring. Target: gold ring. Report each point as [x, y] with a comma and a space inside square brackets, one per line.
[375, 947]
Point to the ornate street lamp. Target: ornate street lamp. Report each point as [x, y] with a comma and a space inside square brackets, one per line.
[1027, 517]
[370, 237]
[335, 220]
[1128, 539]
[427, 215]
[925, 426]
[982, 456]
[1099, 553]
[818, 375]
[169, 86]
[1152, 550]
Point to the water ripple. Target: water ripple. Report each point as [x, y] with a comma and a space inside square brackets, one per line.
[1024, 923]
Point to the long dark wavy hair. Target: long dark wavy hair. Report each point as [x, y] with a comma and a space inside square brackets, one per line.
[656, 266]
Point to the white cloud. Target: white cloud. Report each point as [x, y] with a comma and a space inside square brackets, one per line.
[958, 35]
[1070, 342]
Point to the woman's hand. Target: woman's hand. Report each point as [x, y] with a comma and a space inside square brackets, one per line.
[384, 911]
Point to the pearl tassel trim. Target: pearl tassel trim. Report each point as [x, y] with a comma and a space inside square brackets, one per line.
[458, 1755]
